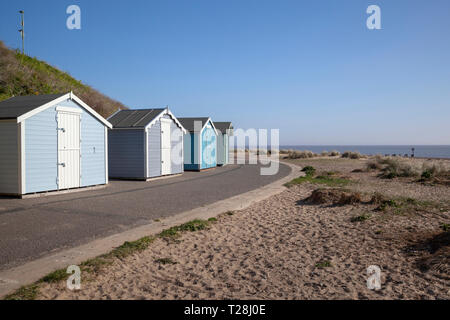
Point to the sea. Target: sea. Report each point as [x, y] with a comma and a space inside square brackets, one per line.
[428, 151]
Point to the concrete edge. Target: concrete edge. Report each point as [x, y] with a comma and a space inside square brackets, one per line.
[30, 272]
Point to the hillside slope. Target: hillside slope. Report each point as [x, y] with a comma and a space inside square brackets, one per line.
[23, 75]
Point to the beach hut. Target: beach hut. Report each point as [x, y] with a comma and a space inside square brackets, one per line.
[145, 144]
[200, 144]
[224, 131]
[49, 143]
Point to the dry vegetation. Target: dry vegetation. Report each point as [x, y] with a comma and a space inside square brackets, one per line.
[23, 75]
[431, 171]
[306, 154]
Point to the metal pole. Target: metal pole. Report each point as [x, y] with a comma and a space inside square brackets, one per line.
[22, 31]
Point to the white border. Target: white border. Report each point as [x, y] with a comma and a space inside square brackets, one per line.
[164, 112]
[106, 157]
[67, 96]
[21, 157]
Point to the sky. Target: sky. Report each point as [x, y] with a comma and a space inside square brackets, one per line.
[309, 68]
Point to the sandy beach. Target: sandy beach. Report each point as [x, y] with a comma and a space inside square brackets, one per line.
[288, 247]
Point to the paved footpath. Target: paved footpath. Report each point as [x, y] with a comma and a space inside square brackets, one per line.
[33, 228]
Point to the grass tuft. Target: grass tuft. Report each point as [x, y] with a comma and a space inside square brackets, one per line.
[324, 264]
[56, 276]
[25, 293]
[190, 226]
[165, 261]
[323, 179]
[361, 218]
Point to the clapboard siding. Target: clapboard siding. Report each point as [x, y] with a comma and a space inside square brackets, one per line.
[9, 160]
[154, 150]
[41, 152]
[176, 156]
[126, 153]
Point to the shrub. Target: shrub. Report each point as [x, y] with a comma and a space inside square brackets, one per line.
[373, 165]
[377, 198]
[394, 168]
[350, 198]
[334, 196]
[433, 171]
[300, 154]
[309, 170]
[334, 153]
[427, 174]
[351, 155]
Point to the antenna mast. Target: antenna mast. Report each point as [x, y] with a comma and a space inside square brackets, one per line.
[22, 31]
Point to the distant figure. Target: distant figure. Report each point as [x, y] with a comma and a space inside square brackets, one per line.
[412, 152]
[406, 155]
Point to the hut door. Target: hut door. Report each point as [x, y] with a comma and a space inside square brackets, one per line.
[165, 147]
[68, 148]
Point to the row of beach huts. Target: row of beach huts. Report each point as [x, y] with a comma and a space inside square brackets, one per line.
[57, 142]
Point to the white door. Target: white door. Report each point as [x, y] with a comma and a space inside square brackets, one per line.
[68, 150]
[165, 147]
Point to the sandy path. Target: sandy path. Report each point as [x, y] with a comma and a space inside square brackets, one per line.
[270, 251]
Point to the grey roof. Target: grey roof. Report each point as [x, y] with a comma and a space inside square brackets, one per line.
[188, 123]
[14, 107]
[134, 118]
[223, 126]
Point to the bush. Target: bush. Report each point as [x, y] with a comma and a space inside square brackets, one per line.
[394, 168]
[293, 154]
[429, 172]
[334, 153]
[351, 155]
[309, 170]
[373, 165]
[350, 198]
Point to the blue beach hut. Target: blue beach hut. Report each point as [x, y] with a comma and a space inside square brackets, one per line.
[50, 143]
[200, 144]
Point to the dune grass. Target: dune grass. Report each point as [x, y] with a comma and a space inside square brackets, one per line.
[327, 179]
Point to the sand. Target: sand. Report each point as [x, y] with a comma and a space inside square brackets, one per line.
[283, 248]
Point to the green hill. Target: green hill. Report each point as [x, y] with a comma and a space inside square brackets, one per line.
[23, 75]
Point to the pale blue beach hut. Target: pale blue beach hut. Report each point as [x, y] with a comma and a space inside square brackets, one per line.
[49, 143]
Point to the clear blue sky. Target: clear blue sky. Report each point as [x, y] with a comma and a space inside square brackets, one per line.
[310, 68]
